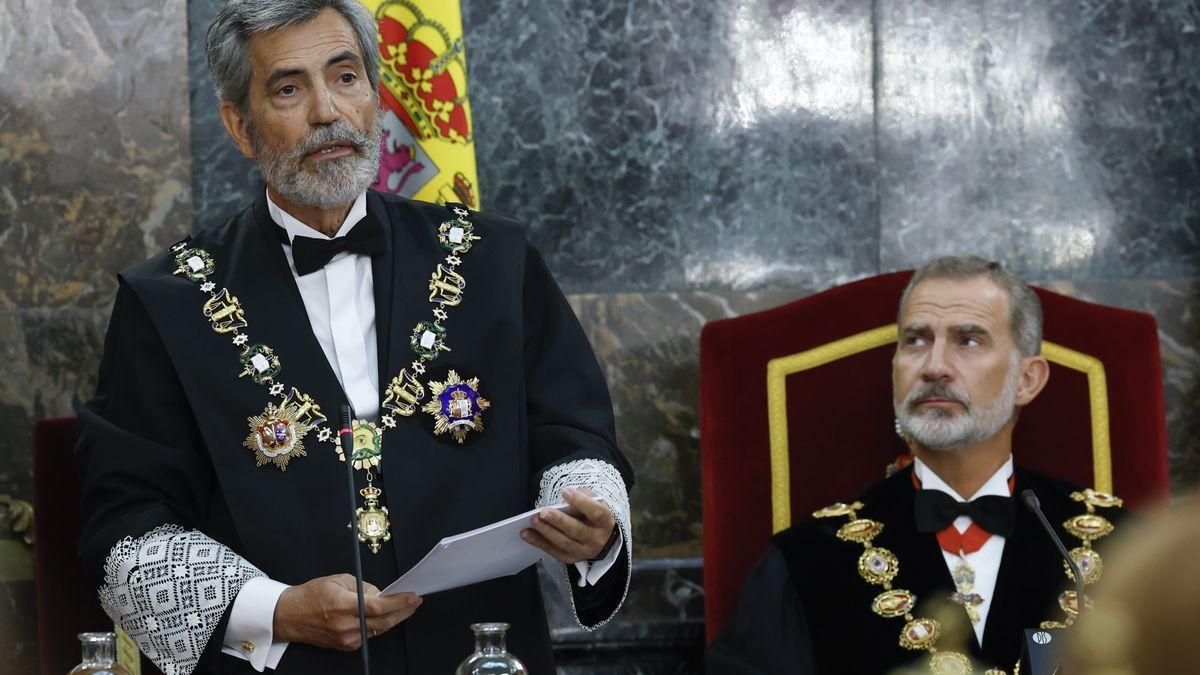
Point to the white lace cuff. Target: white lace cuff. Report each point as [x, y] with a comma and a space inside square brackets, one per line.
[168, 590]
[603, 479]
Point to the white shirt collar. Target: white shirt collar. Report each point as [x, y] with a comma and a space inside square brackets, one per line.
[295, 228]
[997, 484]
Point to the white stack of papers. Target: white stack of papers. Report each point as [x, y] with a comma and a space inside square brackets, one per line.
[492, 551]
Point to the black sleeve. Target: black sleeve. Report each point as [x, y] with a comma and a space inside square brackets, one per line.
[139, 453]
[569, 412]
[768, 632]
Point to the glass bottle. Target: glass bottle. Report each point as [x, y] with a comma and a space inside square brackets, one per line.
[99, 655]
[490, 658]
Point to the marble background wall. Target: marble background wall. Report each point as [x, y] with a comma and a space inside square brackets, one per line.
[678, 161]
[95, 172]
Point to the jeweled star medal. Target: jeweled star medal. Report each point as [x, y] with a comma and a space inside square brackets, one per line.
[456, 406]
[276, 436]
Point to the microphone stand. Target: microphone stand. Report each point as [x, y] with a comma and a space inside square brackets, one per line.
[1041, 647]
[346, 438]
[1035, 505]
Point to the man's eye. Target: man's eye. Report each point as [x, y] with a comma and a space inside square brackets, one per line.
[348, 78]
[915, 341]
[287, 89]
[968, 341]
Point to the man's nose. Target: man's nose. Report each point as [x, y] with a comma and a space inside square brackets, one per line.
[937, 365]
[323, 109]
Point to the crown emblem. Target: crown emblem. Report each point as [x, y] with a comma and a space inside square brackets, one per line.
[424, 73]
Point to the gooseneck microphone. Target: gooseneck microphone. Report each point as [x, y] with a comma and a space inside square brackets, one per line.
[1033, 504]
[346, 438]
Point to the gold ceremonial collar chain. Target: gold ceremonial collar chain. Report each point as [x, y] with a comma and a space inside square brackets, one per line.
[277, 435]
[879, 566]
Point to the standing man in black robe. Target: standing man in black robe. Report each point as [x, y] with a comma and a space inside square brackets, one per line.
[215, 498]
[854, 589]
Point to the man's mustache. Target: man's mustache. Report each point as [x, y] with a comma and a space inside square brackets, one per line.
[338, 132]
[936, 390]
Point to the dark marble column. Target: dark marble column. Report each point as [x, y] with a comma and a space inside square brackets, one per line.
[94, 176]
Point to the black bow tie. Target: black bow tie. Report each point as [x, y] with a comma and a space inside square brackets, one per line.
[310, 254]
[936, 510]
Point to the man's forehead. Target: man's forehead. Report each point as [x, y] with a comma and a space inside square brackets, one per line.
[978, 301]
[304, 45]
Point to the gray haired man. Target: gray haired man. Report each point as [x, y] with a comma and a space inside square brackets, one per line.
[215, 490]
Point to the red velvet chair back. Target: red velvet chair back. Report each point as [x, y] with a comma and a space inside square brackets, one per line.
[66, 604]
[839, 418]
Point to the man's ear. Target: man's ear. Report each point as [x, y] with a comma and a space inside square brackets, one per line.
[1035, 372]
[235, 126]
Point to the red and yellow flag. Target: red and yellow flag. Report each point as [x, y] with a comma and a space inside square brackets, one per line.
[428, 138]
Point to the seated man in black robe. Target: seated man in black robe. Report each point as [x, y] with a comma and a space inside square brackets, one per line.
[855, 588]
[216, 502]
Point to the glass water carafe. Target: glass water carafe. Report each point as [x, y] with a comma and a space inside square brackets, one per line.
[489, 657]
[99, 655]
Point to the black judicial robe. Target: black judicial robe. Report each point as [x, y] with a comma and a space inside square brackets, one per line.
[162, 440]
[804, 608]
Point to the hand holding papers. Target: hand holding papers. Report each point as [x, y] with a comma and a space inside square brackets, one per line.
[489, 552]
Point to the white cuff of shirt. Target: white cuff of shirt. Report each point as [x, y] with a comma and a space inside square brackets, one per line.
[251, 624]
[590, 573]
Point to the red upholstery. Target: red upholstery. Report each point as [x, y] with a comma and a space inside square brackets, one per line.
[840, 420]
[66, 603]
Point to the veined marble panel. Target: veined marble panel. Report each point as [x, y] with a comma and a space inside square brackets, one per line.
[1059, 136]
[94, 155]
[48, 366]
[18, 627]
[648, 345]
[1175, 304]
[223, 181]
[679, 145]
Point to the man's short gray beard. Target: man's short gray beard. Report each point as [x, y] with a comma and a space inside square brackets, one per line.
[330, 183]
[945, 432]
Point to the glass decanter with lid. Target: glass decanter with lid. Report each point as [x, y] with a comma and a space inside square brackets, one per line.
[99, 655]
[490, 658]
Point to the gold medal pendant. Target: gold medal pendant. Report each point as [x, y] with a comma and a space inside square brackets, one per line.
[277, 435]
[373, 524]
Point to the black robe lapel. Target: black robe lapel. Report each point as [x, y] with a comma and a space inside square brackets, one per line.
[276, 312]
[382, 270]
[1030, 577]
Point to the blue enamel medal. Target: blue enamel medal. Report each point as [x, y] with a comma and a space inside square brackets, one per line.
[456, 406]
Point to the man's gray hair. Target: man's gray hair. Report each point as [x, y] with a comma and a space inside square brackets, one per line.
[1025, 310]
[227, 43]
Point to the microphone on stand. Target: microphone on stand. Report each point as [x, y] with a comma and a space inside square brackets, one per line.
[1041, 645]
[1033, 504]
[346, 438]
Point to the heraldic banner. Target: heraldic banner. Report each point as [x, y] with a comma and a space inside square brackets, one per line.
[428, 138]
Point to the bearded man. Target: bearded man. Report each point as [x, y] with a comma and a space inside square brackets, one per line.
[874, 585]
[216, 496]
